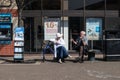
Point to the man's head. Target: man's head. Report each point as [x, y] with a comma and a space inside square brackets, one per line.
[82, 33]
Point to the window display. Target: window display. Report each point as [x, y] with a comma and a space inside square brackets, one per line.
[5, 32]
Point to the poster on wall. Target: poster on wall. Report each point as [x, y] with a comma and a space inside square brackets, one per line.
[51, 26]
[94, 28]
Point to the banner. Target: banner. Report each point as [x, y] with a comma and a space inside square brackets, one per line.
[94, 28]
[51, 27]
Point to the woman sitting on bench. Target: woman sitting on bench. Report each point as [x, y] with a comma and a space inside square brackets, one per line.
[60, 48]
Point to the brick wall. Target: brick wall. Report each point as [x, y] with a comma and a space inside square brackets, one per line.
[7, 49]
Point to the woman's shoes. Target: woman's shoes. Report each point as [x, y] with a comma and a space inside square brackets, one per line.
[60, 61]
[69, 56]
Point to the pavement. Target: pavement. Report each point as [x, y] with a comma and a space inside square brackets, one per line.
[34, 69]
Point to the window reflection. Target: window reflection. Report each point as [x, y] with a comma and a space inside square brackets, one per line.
[94, 4]
[46, 5]
[51, 4]
[76, 4]
[112, 4]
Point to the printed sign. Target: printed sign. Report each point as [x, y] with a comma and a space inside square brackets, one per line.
[18, 56]
[51, 28]
[5, 18]
[18, 43]
[19, 33]
[17, 49]
[94, 28]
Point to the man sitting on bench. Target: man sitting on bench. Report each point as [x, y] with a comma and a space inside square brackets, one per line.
[81, 42]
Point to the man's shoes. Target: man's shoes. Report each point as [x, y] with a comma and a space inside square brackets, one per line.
[85, 54]
[81, 61]
[63, 60]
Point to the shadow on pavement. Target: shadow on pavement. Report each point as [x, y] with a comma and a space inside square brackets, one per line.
[30, 61]
[33, 59]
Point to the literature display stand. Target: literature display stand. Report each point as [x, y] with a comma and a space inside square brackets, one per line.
[19, 44]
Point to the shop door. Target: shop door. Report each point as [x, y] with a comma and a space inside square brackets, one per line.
[75, 26]
[34, 34]
[29, 35]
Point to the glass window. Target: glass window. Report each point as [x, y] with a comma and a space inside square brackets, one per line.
[51, 4]
[112, 4]
[5, 31]
[35, 5]
[94, 4]
[113, 23]
[46, 5]
[75, 4]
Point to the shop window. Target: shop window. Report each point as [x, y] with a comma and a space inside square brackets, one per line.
[75, 4]
[112, 4]
[112, 23]
[94, 4]
[51, 4]
[5, 32]
[44, 4]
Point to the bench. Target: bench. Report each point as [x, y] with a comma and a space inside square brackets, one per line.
[47, 47]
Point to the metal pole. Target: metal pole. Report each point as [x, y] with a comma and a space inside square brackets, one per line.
[103, 40]
[105, 14]
[30, 36]
[84, 15]
[42, 31]
[62, 10]
[41, 16]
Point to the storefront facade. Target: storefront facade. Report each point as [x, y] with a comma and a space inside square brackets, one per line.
[71, 16]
